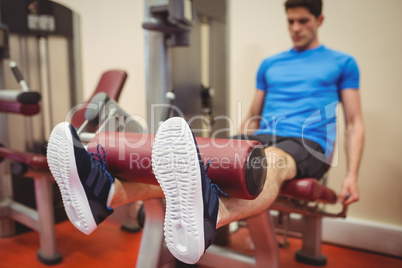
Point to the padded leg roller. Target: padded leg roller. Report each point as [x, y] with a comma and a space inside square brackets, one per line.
[238, 167]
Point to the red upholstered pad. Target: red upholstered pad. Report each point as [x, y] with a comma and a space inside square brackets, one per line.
[19, 108]
[308, 189]
[327, 195]
[128, 156]
[111, 83]
[34, 161]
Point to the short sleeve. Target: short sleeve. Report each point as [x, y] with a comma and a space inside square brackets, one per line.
[261, 81]
[350, 75]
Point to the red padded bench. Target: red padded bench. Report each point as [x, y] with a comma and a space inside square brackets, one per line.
[111, 83]
[308, 189]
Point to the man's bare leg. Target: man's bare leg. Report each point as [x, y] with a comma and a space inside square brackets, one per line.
[128, 192]
[281, 167]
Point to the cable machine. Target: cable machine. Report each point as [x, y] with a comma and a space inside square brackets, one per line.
[40, 59]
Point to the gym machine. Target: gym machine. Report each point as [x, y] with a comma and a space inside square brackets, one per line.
[176, 81]
[40, 79]
[186, 47]
[186, 55]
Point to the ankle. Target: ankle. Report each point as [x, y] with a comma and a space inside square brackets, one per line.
[223, 215]
[116, 195]
[110, 196]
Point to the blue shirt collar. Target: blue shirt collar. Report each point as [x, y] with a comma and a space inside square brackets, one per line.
[320, 47]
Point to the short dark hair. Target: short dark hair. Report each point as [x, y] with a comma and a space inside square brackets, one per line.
[314, 6]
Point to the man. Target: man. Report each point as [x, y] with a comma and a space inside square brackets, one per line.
[293, 86]
[294, 104]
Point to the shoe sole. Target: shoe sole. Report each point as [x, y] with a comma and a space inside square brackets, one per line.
[61, 161]
[176, 167]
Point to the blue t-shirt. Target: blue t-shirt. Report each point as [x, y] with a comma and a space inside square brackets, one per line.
[303, 92]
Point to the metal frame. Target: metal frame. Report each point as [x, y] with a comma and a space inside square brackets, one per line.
[153, 252]
[41, 219]
[266, 247]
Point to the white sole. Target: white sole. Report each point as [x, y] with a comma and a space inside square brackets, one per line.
[61, 161]
[176, 167]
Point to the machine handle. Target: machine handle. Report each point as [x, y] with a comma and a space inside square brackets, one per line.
[23, 96]
[18, 76]
[170, 97]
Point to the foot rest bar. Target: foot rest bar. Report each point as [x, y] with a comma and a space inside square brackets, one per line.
[24, 215]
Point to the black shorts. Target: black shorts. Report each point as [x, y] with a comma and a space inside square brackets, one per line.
[302, 150]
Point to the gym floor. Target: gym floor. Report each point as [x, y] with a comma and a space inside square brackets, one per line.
[109, 246]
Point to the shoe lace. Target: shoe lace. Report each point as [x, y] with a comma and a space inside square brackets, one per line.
[100, 158]
[214, 186]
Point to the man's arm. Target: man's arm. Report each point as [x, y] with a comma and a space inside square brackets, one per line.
[354, 142]
[252, 120]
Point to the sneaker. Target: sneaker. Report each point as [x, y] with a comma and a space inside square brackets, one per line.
[85, 185]
[191, 200]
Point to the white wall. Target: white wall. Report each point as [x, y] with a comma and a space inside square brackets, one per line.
[112, 38]
[370, 30]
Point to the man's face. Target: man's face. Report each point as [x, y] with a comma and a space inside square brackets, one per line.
[303, 27]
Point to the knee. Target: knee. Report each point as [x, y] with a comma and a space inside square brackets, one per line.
[276, 157]
[279, 159]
